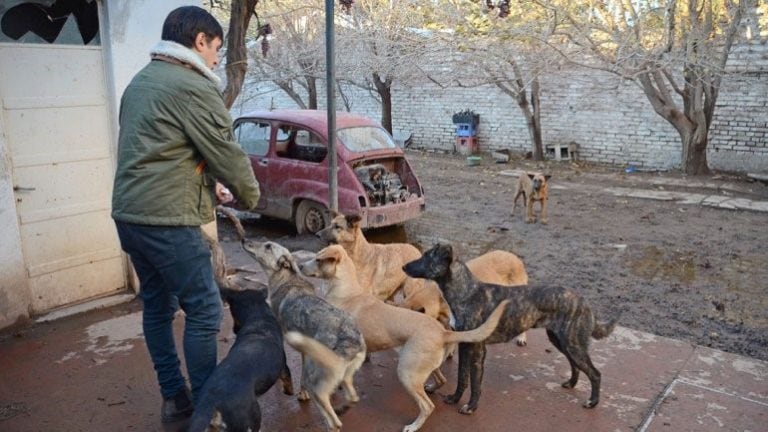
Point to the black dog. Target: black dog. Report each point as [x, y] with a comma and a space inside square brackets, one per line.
[251, 367]
[565, 315]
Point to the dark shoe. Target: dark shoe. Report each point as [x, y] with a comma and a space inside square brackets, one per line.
[178, 407]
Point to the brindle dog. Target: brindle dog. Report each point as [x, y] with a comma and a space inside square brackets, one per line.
[566, 316]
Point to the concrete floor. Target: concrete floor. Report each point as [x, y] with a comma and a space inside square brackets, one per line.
[91, 372]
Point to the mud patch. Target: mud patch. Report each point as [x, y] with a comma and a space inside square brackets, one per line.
[12, 409]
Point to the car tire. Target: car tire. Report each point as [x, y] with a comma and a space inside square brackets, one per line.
[310, 217]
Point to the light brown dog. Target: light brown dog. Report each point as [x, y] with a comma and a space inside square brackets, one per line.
[533, 187]
[379, 266]
[422, 341]
[496, 267]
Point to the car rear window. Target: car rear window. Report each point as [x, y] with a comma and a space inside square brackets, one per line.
[365, 138]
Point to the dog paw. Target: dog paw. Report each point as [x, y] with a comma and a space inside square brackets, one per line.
[451, 399]
[590, 403]
[521, 342]
[568, 384]
[544, 221]
[530, 220]
[303, 396]
[466, 410]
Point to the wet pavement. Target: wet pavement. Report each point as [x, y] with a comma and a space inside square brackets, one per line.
[91, 372]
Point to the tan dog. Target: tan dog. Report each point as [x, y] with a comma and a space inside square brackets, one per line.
[379, 266]
[496, 267]
[421, 340]
[533, 187]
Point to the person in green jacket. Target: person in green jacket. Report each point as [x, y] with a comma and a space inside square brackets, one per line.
[175, 144]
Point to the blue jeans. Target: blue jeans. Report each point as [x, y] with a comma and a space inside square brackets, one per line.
[175, 270]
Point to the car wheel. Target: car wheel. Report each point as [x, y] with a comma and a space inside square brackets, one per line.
[310, 217]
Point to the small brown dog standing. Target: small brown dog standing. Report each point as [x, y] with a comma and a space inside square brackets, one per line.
[533, 187]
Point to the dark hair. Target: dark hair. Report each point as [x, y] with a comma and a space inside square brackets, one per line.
[183, 24]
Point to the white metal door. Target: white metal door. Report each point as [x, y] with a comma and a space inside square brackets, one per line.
[56, 120]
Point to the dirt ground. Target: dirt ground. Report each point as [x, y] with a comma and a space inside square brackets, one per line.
[688, 272]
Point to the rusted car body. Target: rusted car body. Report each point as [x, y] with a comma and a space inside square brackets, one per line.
[288, 151]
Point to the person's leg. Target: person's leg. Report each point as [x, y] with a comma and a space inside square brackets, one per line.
[198, 294]
[144, 248]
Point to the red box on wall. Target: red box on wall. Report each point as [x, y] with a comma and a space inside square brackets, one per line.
[466, 145]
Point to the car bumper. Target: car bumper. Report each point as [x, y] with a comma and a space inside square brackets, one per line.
[393, 214]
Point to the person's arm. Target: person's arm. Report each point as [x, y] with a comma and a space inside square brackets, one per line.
[210, 129]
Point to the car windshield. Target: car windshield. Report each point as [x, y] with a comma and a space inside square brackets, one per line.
[361, 139]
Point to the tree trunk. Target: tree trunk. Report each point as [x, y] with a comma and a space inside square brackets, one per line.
[384, 88]
[694, 158]
[531, 112]
[538, 146]
[692, 123]
[287, 87]
[312, 91]
[237, 58]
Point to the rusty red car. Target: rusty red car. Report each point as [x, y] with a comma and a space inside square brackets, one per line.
[288, 150]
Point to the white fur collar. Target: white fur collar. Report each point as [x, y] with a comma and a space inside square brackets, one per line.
[185, 55]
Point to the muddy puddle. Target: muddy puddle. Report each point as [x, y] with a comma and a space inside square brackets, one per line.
[736, 285]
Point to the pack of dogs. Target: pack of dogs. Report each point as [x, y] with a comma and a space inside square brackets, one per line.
[444, 302]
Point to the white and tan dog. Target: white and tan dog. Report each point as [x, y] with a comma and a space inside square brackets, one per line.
[421, 340]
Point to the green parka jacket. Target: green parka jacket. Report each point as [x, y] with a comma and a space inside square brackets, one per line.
[175, 140]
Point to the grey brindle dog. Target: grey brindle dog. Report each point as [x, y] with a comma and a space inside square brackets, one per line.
[332, 347]
[569, 322]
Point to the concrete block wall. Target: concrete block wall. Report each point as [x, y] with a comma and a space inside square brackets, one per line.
[610, 119]
[739, 133]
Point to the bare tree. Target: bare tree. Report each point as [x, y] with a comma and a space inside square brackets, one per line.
[674, 51]
[381, 44]
[241, 12]
[296, 59]
[501, 47]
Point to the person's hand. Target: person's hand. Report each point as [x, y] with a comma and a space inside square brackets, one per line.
[223, 195]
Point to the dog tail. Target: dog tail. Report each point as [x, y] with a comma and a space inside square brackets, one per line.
[603, 329]
[315, 350]
[481, 333]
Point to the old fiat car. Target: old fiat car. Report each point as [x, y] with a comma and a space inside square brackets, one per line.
[288, 151]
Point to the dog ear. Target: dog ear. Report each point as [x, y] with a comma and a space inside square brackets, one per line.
[547, 176]
[284, 261]
[354, 220]
[329, 254]
[531, 175]
[453, 253]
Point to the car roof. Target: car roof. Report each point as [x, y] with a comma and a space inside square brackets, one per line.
[314, 119]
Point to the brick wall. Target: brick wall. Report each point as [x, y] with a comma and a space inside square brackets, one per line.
[611, 119]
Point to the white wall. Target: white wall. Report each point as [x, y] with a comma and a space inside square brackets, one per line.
[130, 28]
[14, 291]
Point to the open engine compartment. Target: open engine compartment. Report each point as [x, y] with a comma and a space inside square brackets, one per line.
[382, 184]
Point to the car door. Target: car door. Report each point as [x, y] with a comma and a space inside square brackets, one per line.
[299, 166]
[254, 137]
